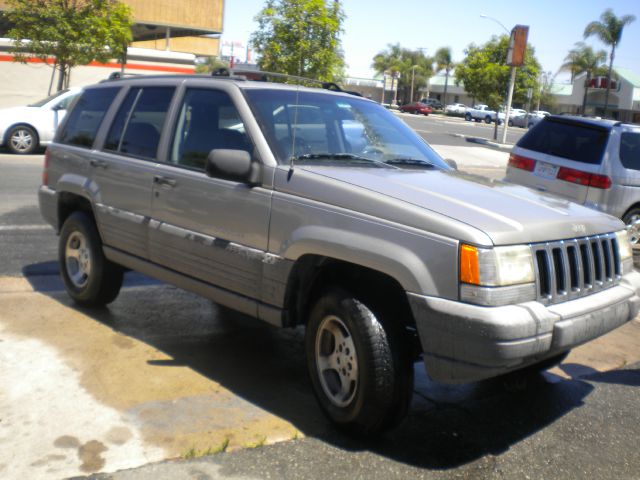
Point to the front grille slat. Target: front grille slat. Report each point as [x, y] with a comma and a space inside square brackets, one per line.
[569, 269]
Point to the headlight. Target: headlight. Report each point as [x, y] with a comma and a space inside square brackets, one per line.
[624, 245]
[496, 267]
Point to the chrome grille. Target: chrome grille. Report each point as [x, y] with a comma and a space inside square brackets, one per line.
[574, 268]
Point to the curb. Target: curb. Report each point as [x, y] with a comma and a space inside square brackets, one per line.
[484, 141]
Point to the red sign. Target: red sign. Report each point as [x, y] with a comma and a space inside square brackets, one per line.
[517, 45]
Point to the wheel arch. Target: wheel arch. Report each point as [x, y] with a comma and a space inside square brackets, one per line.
[20, 124]
[312, 274]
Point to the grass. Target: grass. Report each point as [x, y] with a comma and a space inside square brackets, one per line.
[193, 452]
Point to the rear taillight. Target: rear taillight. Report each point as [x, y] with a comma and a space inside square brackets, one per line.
[584, 178]
[45, 170]
[522, 163]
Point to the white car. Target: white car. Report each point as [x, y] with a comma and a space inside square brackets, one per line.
[458, 108]
[23, 129]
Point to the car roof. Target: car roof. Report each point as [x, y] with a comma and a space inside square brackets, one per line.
[587, 121]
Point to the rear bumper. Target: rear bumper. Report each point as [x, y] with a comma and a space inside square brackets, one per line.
[48, 201]
[463, 342]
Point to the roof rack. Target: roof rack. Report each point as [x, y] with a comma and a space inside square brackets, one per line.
[261, 76]
[119, 75]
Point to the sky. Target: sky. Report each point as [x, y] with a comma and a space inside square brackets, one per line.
[370, 26]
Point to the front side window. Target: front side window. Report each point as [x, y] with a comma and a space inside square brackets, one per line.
[137, 126]
[326, 127]
[84, 120]
[630, 150]
[208, 120]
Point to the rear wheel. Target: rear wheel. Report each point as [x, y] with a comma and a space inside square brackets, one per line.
[511, 123]
[360, 369]
[487, 119]
[89, 278]
[632, 220]
[467, 117]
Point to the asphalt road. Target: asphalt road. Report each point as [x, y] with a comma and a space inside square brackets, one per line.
[163, 374]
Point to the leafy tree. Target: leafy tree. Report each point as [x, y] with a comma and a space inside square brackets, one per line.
[404, 65]
[210, 64]
[583, 59]
[444, 60]
[300, 37]
[74, 32]
[609, 31]
[486, 76]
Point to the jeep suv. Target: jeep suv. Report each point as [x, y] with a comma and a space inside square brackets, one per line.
[304, 206]
[592, 162]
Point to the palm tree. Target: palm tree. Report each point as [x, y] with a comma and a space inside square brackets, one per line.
[583, 59]
[444, 61]
[609, 31]
[389, 62]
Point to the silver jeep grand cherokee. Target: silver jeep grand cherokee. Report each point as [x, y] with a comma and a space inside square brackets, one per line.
[304, 206]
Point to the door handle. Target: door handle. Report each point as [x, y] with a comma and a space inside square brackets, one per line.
[164, 181]
[98, 163]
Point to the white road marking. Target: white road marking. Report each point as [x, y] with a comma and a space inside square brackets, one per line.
[24, 228]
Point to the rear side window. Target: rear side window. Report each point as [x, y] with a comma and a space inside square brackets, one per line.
[137, 126]
[630, 150]
[581, 143]
[84, 120]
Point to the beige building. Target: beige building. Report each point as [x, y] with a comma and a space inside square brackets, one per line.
[175, 25]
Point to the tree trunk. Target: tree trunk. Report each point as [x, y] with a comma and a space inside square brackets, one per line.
[62, 70]
[606, 95]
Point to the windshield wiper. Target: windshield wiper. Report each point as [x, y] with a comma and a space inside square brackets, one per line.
[343, 156]
[411, 162]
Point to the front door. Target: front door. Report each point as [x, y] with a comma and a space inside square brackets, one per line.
[210, 229]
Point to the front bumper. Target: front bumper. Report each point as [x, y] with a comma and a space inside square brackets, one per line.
[464, 342]
[48, 201]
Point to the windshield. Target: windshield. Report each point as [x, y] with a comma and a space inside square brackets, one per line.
[44, 101]
[327, 128]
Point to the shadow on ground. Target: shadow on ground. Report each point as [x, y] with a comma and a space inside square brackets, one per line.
[447, 426]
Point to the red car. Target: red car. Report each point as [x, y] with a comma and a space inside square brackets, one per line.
[417, 108]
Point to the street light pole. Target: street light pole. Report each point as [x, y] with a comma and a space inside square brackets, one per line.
[512, 81]
[413, 74]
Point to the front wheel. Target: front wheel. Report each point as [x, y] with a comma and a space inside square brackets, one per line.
[487, 119]
[467, 117]
[22, 140]
[89, 278]
[360, 369]
[510, 123]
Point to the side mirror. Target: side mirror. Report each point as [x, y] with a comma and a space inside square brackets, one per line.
[234, 165]
[452, 163]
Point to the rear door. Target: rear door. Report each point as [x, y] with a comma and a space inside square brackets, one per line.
[122, 172]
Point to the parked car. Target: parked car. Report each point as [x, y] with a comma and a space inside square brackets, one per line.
[592, 162]
[456, 108]
[433, 103]
[417, 108]
[24, 129]
[535, 116]
[253, 195]
[518, 118]
[482, 113]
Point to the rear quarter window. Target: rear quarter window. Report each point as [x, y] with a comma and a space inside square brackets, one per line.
[630, 150]
[574, 141]
[86, 116]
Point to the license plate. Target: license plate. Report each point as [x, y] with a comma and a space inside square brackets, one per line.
[545, 170]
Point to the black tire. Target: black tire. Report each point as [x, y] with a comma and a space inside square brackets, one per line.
[22, 140]
[467, 117]
[89, 278]
[371, 359]
[511, 123]
[487, 119]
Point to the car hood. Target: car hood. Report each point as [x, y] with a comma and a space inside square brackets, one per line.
[506, 213]
[19, 114]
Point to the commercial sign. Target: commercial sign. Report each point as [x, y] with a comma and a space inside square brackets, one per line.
[517, 45]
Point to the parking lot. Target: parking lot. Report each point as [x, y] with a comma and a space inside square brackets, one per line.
[163, 374]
